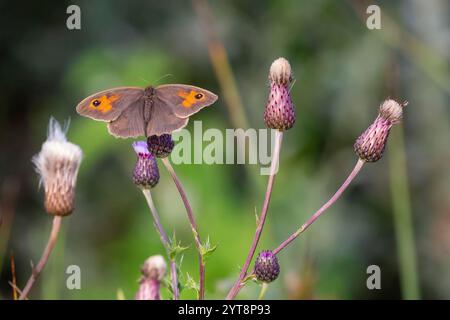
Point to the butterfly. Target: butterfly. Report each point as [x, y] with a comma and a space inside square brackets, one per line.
[134, 111]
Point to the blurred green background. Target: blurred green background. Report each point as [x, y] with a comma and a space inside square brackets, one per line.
[343, 71]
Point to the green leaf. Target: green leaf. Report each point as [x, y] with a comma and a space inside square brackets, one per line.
[250, 277]
[175, 248]
[207, 249]
[256, 217]
[192, 284]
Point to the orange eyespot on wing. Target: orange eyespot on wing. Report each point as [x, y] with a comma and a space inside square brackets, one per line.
[108, 105]
[190, 98]
[103, 103]
[183, 100]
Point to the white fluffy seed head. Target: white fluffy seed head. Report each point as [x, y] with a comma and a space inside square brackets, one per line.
[154, 268]
[280, 71]
[57, 164]
[391, 110]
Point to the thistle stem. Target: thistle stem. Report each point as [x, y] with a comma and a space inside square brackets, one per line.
[193, 224]
[43, 261]
[263, 291]
[164, 240]
[273, 170]
[328, 204]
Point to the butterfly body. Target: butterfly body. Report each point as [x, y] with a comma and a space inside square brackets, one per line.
[134, 111]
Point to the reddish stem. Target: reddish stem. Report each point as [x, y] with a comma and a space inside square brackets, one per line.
[43, 261]
[317, 214]
[193, 224]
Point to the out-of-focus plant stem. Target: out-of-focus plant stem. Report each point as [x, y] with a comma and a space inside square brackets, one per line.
[221, 65]
[13, 276]
[430, 62]
[225, 76]
[401, 207]
[402, 217]
[164, 240]
[193, 224]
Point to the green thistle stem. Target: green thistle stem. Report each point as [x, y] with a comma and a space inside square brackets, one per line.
[402, 218]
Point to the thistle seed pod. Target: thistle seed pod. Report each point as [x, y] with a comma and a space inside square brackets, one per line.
[280, 113]
[371, 143]
[57, 164]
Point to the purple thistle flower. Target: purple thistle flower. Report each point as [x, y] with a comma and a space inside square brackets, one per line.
[267, 268]
[371, 143]
[280, 113]
[161, 146]
[146, 173]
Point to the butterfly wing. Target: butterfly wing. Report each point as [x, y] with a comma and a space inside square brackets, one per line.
[130, 123]
[123, 108]
[164, 120]
[108, 105]
[184, 100]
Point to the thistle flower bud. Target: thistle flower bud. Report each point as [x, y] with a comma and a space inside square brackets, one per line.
[153, 271]
[57, 164]
[279, 113]
[371, 143]
[161, 146]
[146, 173]
[267, 268]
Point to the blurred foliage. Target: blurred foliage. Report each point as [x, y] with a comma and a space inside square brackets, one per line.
[342, 70]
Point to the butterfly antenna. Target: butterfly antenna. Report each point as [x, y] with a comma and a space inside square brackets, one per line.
[146, 82]
[168, 75]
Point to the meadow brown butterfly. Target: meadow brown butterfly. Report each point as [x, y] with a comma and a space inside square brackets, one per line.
[134, 111]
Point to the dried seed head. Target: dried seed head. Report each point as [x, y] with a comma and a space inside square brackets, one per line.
[267, 268]
[280, 113]
[280, 72]
[371, 143]
[146, 173]
[154, 268]
[391, 110]
[161, 146]
[57, 164]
